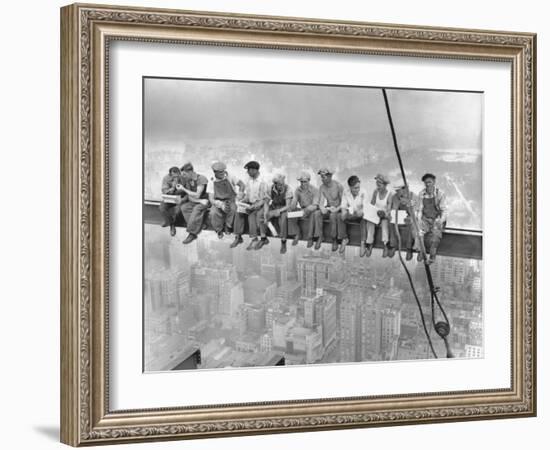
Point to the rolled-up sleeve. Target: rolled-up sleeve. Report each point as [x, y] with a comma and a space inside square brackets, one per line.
[166, 187]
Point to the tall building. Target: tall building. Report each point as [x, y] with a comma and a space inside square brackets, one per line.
[350, 325]
[320, 311]
[371, 331]
[231, 297]
[305, 340]
[450, 270]
[315, 272]
[162, 289]
[390, 331]
[255, 317]
[266, 343]
[259, 290]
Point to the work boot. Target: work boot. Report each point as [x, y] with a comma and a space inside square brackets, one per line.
[309, 243]
[263, 241]
[238, 240]
[368, 250]
[172, 230]
[334, 245]
[190, 238]
[385, 251]
[297, 239]
[283, 247]
[318, 244]
[343, 245]
[409, 254]
[391, 252]
[363, 251]
[252, 244]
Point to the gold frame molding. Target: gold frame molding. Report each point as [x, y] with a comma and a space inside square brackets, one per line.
[86, 31]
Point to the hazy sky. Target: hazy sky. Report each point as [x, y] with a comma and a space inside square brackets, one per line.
[196, 110]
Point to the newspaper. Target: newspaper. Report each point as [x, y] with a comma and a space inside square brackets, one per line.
[370, 213]
[295, 214]
[167, 198]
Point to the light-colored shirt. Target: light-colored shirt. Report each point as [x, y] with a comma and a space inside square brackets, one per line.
[232, 179]
[169, 184]
[440, 202]
[330, 195]
[383, 204]
[255, 189]
[354, 205]
[304, 197]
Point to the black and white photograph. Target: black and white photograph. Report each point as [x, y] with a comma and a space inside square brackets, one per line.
[294, 224]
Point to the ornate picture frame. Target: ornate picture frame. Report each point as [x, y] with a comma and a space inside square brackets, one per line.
[86, 34]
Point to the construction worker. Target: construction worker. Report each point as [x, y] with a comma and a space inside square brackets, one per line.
[256, 194]
[329, 200]
[381, 199]
[352, 212]
[310, 225]
[195, 205]
[223, 190]
[277, 207]
[403, 200]
[171, 185]
[433, 215]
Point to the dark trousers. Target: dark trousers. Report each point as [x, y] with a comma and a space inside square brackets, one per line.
[256, 223]
[281, 221]
[407, 236]
[433, 232]
[220, 218]
[337, 225]
[194, 214]
[169, 212]
[354, 219]
[309, 226]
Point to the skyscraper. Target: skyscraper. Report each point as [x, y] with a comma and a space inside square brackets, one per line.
[350, 325]
[316, 271]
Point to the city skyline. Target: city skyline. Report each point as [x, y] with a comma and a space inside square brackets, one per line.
[240, 313]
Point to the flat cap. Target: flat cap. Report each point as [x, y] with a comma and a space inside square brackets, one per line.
[252, 165]
[304, 176]
[218, 166]
[279, 177]
[187, 167]
[325, 171]
[382, 178]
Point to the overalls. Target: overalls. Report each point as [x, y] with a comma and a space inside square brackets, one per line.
[223, 190]
[278, 200]
[192, 212]
[433, 230]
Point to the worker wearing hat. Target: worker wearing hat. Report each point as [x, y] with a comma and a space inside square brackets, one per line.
[256, 195]
[329, 201]
[195, 206]
[277, 207]
[381, 199]
[433, 215]
[171, 185]
[310, 225]
[352, 211]
[403, 200]
[222, 190]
